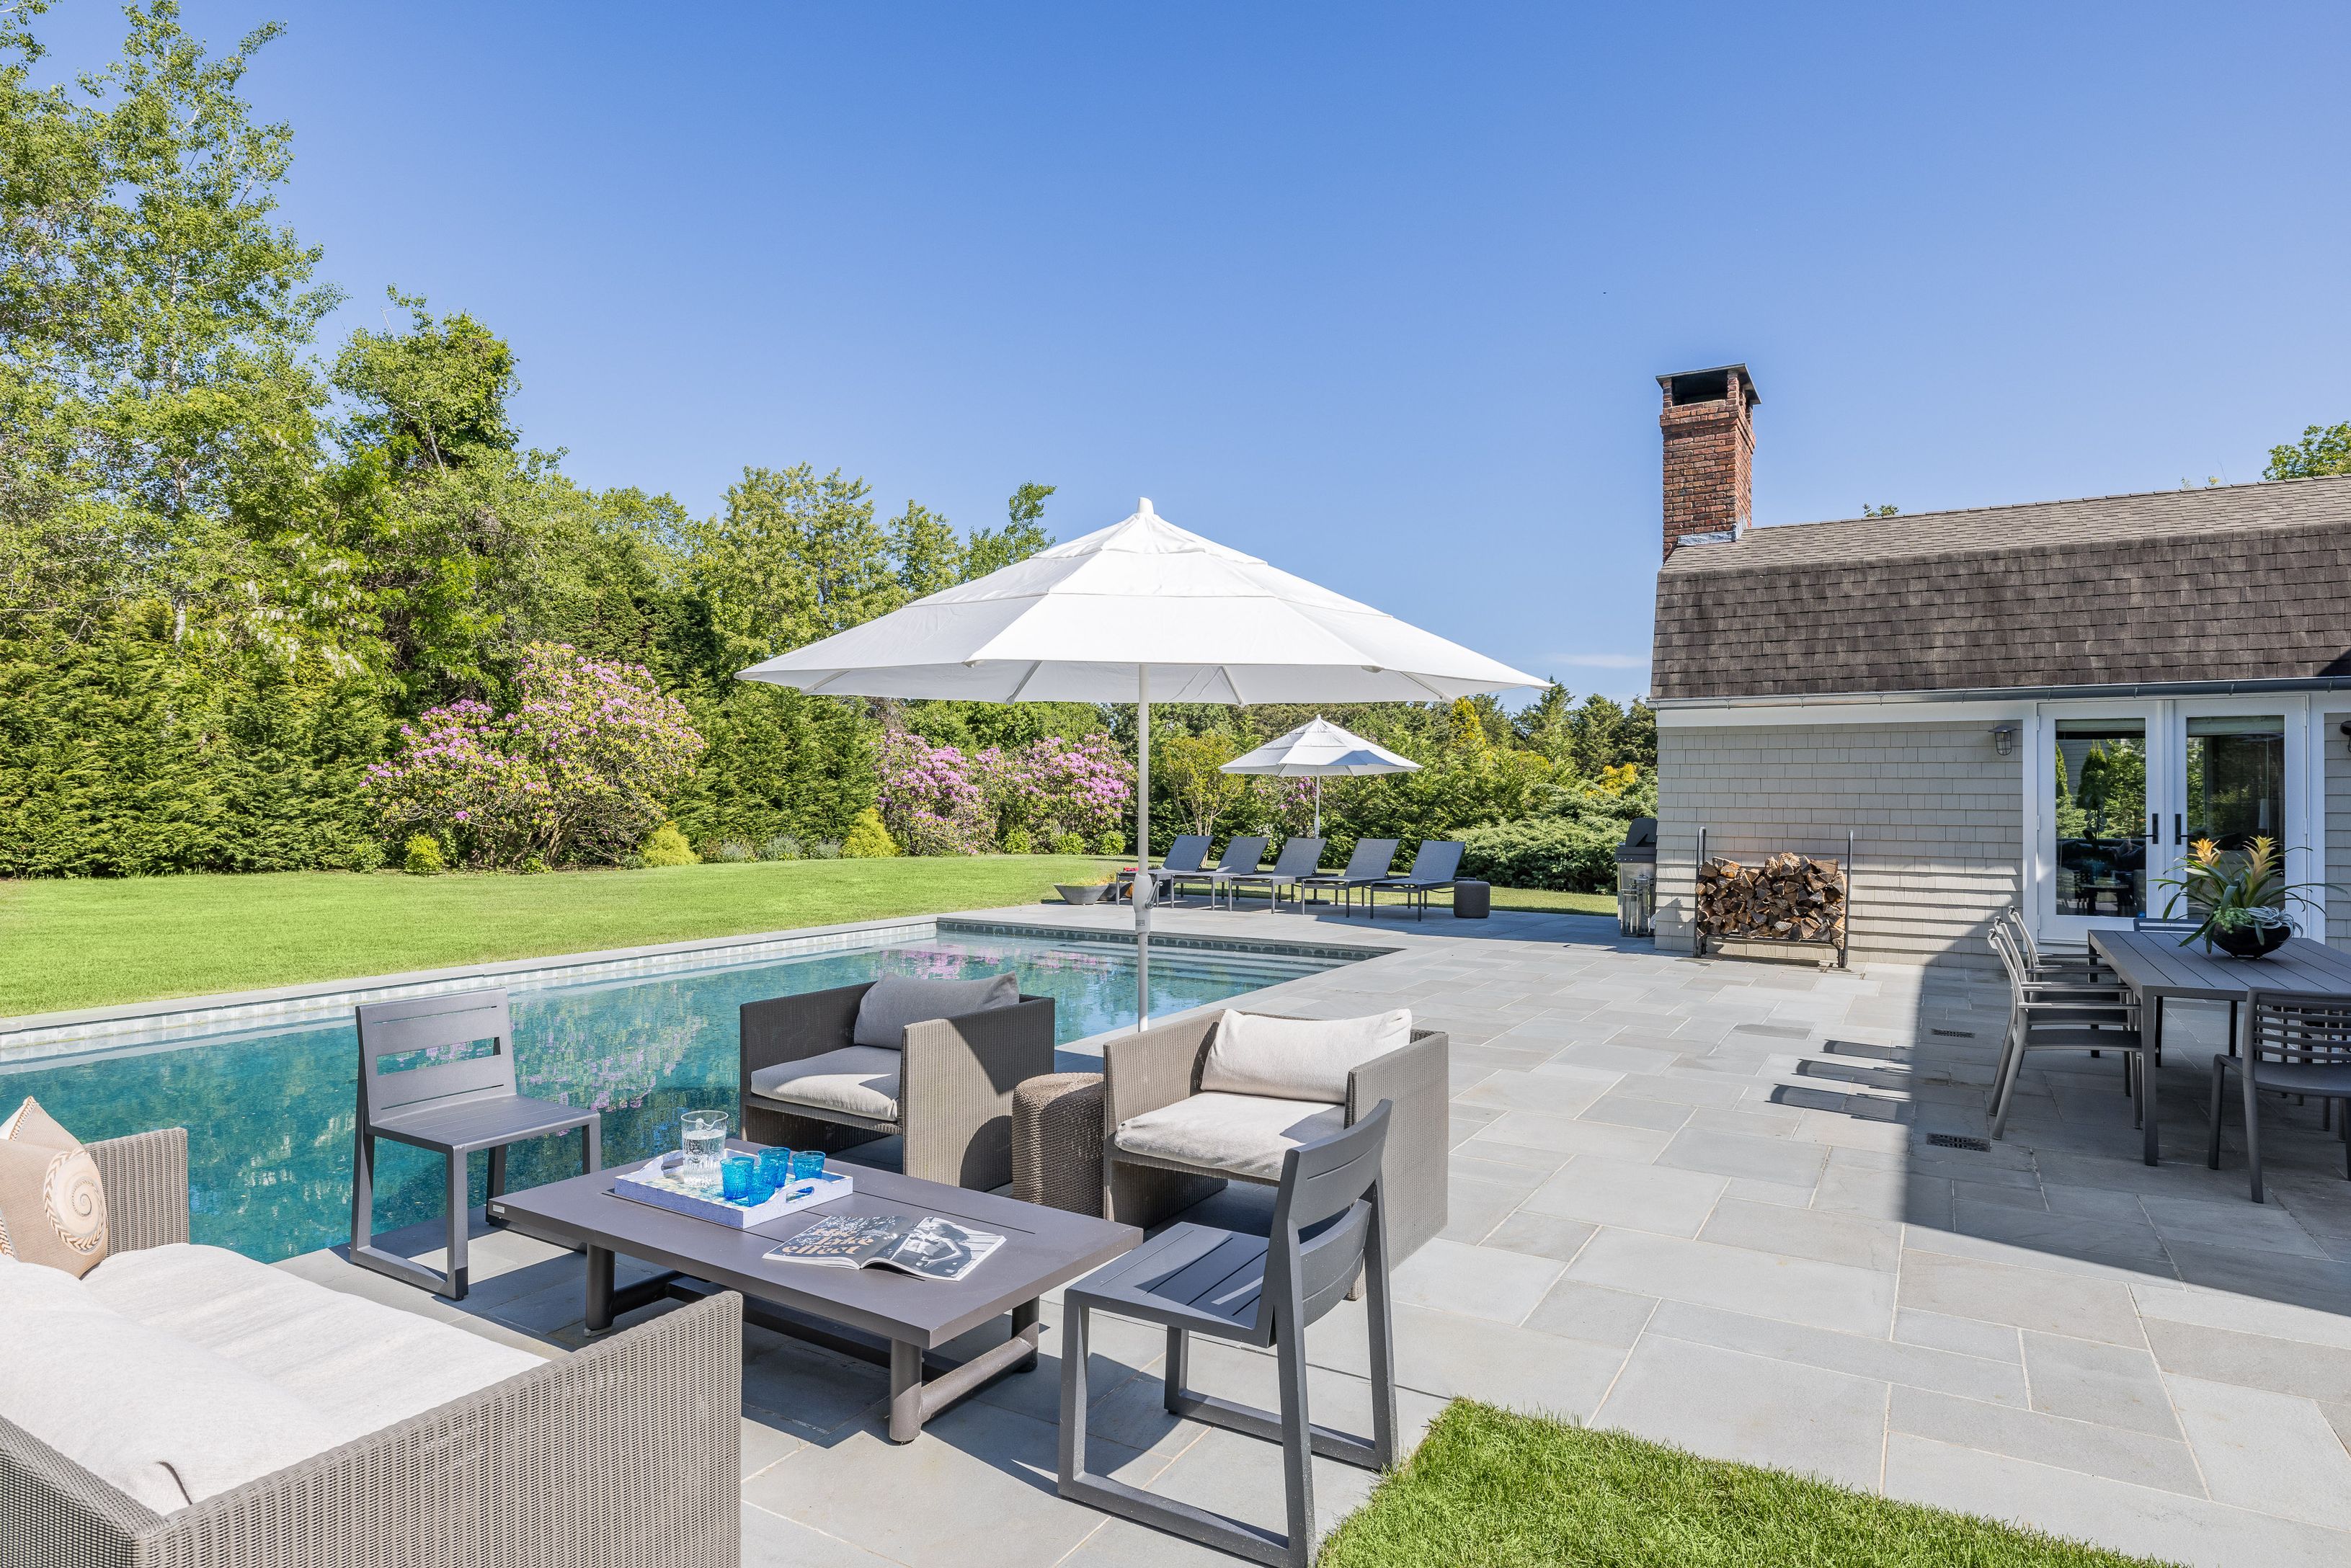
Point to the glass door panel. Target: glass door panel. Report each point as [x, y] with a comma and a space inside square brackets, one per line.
[2099, 812]
[2235, 785]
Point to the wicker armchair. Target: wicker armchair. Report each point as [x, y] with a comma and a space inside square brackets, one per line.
[1160, 1067]
[954, 1095]
[624, 1455]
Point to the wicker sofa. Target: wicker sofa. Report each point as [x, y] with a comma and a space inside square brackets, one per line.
[1161, 1067]
[624, 1455]
[947, 1093]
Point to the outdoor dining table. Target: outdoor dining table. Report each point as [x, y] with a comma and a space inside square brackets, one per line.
[2158, 969]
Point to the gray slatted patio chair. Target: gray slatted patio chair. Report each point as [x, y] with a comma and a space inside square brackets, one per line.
[2067, 1015]
[2294, 1043]
[1296, 861]
[1190, 853]
[1329, 1226]
[1370, 863]
[442, 1093]
[1240, 855]
[1432, 868]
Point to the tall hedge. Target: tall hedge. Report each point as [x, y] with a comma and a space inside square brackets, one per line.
[127, 752]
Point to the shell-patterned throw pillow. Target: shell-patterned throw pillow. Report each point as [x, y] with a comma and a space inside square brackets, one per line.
[52, 1204]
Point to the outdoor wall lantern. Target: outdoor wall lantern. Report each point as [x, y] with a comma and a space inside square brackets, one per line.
[2003, 737]
[2345, 727]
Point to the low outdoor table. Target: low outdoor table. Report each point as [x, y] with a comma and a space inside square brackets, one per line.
[876, 1314]
[2157, 968]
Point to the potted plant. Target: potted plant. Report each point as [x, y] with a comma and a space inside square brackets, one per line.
[2242, 906]
[1083, 891]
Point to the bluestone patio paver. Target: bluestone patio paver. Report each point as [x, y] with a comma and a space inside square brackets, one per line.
[1687, 1203]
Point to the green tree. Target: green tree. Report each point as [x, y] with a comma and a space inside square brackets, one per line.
[794, 557]
[1188, 769]
[1022, 536]
[433, 396]
[2324, 449]
[929, 556]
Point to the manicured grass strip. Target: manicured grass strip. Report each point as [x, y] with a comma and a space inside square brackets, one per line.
[86, 944]
[1490, 1489]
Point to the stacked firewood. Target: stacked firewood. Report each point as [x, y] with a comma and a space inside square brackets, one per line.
[1790, 897]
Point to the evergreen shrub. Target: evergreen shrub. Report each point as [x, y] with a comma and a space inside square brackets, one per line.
[422, 856]
[668, 846]
[868, 839]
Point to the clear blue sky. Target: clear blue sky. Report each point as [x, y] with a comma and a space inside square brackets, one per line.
[1375, 292]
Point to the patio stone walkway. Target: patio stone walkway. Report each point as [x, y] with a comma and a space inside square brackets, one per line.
[1698, 1201]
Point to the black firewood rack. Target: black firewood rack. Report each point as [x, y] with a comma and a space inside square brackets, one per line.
[1844, 909]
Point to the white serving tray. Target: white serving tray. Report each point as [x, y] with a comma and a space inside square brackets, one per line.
[652, 1183]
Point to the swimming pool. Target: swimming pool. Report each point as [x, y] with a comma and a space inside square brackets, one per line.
[269, 1111]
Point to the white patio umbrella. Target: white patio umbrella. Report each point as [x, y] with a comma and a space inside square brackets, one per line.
[1318, 750]
[1138, 612]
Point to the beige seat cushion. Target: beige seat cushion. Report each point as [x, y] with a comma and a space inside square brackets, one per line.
[1244, 1134]
[862, 1079]
[358, 1364]
[893, 1001]
[52, 1203]
[1298, 1059]
[164, 1421]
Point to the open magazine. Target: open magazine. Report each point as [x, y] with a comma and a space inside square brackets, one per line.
[932, 1248]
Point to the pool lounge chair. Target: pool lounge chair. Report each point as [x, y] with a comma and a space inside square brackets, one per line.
[1190, 853]
[1240, 855]
[1432, 868]
[1367, 865]
[1296, 861]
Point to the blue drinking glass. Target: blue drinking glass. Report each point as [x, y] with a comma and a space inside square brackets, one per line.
[735, 1177]
[775, 1167]
[760, 1189]
[806, 1164]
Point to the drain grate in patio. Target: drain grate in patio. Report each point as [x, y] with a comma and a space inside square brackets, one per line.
[1954, 1033]
[1959, 1141]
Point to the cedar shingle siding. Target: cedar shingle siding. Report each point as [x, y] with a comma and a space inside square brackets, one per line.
[2238, 583]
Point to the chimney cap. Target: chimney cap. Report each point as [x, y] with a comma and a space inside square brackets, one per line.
[1701, 379]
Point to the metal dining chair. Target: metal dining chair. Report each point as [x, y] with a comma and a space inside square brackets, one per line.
[425, 1081]
[2293, 1042]
[2067, 1015]
[1329, 1226]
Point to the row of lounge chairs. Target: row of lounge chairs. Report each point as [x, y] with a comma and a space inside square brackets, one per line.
[1299, 870]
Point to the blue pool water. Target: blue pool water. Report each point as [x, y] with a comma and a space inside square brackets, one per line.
[269, 1113]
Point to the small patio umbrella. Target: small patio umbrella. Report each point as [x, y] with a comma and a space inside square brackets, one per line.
[1318, 750]
[1138, 611]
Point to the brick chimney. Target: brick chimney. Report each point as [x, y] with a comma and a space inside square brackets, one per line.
[1709, 429]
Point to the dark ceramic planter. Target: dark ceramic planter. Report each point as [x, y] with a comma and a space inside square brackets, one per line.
[2251, 941]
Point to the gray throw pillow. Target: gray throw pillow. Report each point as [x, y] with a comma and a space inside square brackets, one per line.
[896, 1001]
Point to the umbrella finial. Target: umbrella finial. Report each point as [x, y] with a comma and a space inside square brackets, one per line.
[1144, 507]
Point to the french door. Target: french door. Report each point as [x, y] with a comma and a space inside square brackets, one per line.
[2128, 789]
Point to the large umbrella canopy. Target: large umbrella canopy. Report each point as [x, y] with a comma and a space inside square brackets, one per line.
[1081, 623]
[1318, 750]
[1136, 612]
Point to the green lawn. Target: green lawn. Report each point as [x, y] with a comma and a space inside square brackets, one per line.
[85, 944]
[1488, 1489]
[88, 943]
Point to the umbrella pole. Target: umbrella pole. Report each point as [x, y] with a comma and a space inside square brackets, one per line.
[1145, 887]
[1318, 805]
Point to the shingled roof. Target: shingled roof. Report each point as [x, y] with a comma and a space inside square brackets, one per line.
[2241, 582]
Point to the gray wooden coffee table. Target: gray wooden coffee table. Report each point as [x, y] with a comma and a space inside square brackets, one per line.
[892, 1319]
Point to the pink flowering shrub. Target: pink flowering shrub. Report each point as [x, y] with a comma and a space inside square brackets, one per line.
[579, 770]
[938, 800]
[928, 799]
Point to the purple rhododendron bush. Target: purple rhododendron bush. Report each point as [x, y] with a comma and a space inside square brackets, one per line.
[577, 771]
[939, 801]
